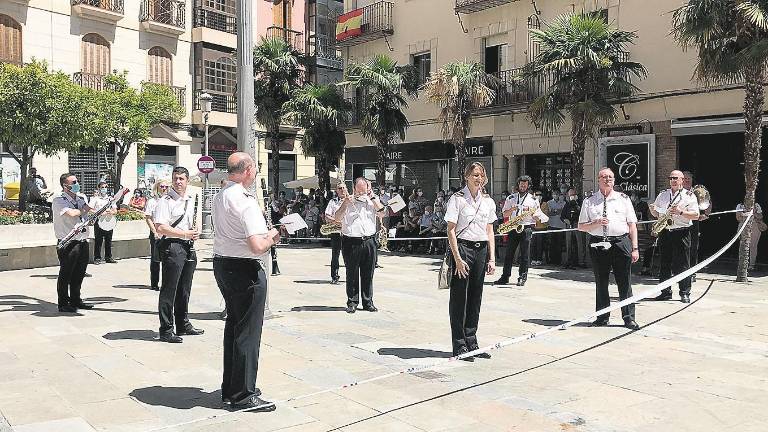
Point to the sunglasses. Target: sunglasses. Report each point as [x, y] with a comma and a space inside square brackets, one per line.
[164, 187]
[74, 182]
[674, 178]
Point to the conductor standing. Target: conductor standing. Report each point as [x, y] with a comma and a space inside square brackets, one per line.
[241, 238]
[610, 220]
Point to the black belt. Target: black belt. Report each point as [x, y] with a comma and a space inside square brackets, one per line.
[473, 244]
[679, 229]
[73, 241]
[177, 240]
[612, 239]
[241, 260]
[360, 239]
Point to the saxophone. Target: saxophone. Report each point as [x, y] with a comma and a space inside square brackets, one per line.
[664, 221]
[330, 228]
[516, 223]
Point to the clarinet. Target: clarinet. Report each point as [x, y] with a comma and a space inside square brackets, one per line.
[268, 217]
[192, 252]
[605, 244]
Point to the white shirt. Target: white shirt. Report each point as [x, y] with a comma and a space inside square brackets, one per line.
[171, 206]
[471, 214]
[618, 210]
[685, 201]
[149, 209]
[63, 224]
[330, 209]
[100, 201]
[359, 219]
[556, 207]
[524, 201]
[236, 216]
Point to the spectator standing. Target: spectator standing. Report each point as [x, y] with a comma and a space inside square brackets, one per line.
[540, 242]
[100, 199]
[554, 210]
[138, 201]
[574, 240]
[312, 216]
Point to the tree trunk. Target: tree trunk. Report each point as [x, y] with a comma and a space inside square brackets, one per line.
[25, 162]
[461, 158]
[274, 137]
[579, 136]
[753, 119]
[381, 163]
[120, 157]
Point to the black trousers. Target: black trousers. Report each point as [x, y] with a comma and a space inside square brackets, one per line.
[555, 246]
[179, 263]
[335, 251]
[102, 237]
[695, 234]
[243, 284]
[73, 260]
[674, 252]
[360, 262]
[619, 259]
[523, 240]
[154, 262]
[466, 296]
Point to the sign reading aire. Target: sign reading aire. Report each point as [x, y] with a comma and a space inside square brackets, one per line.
[631, 165]
[206, 164]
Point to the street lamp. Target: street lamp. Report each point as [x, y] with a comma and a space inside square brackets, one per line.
[207, 233]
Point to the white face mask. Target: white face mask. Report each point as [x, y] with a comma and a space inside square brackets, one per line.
[419, 193]
[572, 198]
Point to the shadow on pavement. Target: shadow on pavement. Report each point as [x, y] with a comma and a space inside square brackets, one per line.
[133, 286]
[143, 335]
[47, 276]
[206, 316]
[178, 397]
[570, 275]
[41, 308]
[551, 322]
[314, 281]
[318, 309]
[413, 353]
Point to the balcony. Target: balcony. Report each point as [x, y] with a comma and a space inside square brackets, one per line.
[223, 109]
[514, 92]
[472, 6]
[88, 80]
[324, 52]
[292, 37]
[214, 27]
[181, 96]
[365, 24]
[165, 17]
[108, 11]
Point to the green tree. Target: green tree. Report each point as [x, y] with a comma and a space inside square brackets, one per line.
[731, 37]
[320, 110]
[277, 67]
[42, 113]
[384, 86]
[459, 89]
[584, 62]
[126, 116]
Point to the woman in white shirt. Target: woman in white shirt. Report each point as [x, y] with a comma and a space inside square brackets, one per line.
[470, 215]
[160, 189]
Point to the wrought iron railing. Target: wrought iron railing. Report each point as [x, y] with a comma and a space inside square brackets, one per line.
[221, 102]
[215, 20]
[170, 12]
[325, 48]
[110, 5]
[376, 22]
[512, 90]
[88, 80]
[181, 95]
[292, 37]
[469, 6]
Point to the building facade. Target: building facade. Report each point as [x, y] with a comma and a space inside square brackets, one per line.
[186, 45]
[674, 121]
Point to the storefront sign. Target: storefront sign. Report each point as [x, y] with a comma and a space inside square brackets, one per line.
[419, 151]
[631, 165]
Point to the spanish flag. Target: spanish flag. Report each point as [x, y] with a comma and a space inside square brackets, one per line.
[349, 25]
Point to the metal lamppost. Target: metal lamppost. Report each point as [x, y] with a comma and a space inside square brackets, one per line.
[205, 107]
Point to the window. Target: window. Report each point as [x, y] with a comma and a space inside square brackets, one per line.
[494, 58]
[160, 65]
[423, 64]
[95, 55]
[89, 164]
[281, 13]
[226, 6]
[10, 40]
[220, 75]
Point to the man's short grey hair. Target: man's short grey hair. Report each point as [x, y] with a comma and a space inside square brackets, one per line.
[240, 167]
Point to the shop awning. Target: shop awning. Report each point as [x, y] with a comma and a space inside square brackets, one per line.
[309, 182]
[709, 126]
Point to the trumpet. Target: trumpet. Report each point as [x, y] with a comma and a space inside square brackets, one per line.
[330, 228]
[516, 223]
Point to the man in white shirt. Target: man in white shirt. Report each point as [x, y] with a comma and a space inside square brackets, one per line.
[103, 235]
[173, 219]
[358, 213]
[330, 217]
[69, 209]
[241, 238]
[515, 204]
[675, 240]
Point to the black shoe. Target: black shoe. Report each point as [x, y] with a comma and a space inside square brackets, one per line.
[190, 331]
[155, 288]
[693, 279]
[685, 298]
[254, 404]
[110, 261]
[67, 309]
[521, 280]
[88, 274]
[170, 338]
[665, 295]
[227, 400]
[97, 261]
[81, 305]
[351, 308]
[483, 355]
[378, 266]
[371, 308]
[631, 324]
[335, 281]
[502, 281]
[599, 323]
[464, 351]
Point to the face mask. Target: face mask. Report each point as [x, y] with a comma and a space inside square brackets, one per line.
[572, 198]
[103, 191]
[75, 188]
[419, 193]
[563, 190]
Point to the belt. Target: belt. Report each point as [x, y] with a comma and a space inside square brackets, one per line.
[177, 240]
[679, 228]
[73, 241]
[473, 244]
[363, 238]
[612, 239]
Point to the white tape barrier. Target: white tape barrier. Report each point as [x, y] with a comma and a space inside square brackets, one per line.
[552, 231]
[504, 343]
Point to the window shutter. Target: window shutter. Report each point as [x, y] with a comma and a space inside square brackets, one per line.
[10, 40]
[160, 66]
[95, 55]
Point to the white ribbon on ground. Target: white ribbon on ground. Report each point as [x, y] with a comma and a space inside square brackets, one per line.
[504, 343]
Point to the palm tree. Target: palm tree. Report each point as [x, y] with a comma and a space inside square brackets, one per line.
[459, 89]
[278, 73]
[320, 110]
[731, 36]
[384, 86]
[586, 63]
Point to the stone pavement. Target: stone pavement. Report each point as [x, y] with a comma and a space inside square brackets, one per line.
[697, 368]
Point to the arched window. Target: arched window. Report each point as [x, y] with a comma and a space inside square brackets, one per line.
[95, 55]
[10, 40]
[160, 66]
